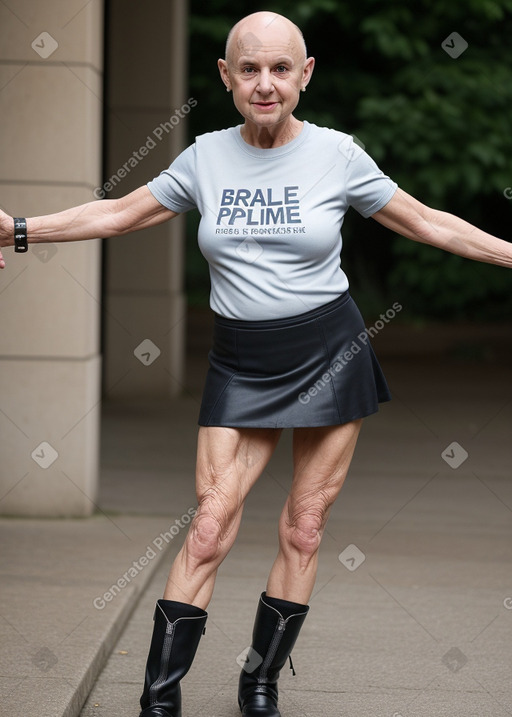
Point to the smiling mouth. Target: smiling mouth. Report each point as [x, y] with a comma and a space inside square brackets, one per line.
[265, 105]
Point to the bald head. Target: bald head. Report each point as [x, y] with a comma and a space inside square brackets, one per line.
[249, 35]
[266, 67]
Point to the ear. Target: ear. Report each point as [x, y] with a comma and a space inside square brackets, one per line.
[224, 74]
[308, 71]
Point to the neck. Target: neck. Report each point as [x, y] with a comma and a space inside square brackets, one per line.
[271, 137]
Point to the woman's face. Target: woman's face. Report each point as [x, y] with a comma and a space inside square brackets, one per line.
[266, 68]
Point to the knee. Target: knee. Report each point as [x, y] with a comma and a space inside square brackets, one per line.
[303, 532]
[210, 528]
[205, 537]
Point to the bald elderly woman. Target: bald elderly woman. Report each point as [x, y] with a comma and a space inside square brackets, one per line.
[272, 194]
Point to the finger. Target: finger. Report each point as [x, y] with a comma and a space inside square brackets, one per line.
[2, 262]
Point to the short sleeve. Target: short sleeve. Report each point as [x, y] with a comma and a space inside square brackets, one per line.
[176, 187]
[368, 188]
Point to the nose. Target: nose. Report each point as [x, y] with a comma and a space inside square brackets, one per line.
[265, 84]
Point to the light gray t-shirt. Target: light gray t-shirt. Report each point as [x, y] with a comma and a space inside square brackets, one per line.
[271, 219]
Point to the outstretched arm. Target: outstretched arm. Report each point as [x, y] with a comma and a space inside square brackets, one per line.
[407, 216]
[104, 218]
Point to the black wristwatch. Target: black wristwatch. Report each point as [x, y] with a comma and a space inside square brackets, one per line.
[20, 234]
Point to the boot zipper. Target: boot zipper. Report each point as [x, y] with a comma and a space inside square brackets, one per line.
[164, 663]
[271, 653]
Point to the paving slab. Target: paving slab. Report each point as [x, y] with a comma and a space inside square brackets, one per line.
[411, 614]
[420, 627]
[64, 601]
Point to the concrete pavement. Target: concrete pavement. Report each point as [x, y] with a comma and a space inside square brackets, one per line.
[412, 612]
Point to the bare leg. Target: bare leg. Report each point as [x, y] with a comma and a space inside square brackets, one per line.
[322, 458]
[229, 461]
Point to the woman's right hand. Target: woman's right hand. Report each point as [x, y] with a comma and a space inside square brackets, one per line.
[6, 234]
[105, 218]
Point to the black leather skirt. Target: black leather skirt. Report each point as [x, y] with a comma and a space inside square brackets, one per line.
[314, 369]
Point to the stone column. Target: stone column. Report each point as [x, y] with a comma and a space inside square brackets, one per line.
[51, 139]
[147, 109]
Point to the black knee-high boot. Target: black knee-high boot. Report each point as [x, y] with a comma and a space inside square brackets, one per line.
[276, 628]
[176, 633]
